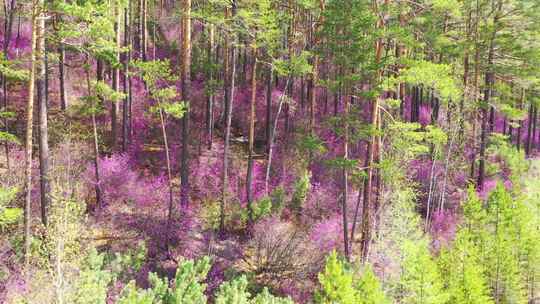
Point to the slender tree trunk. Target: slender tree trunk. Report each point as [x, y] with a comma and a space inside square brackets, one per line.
[169, 174]
[9, 13]
[487, 95]
[144, 30]
[529, 130]
[366, 216]
[345, 190]
[210, 98]
[97, 189]
[269, 108]
[115, 78]
[41, 89]
[186, 97]
[272, 138]
[534, 119]
[226, 78]
[249, 177]
[36, 13]
[62, 76]
[521, 101]
[126, 79]
[228, 119]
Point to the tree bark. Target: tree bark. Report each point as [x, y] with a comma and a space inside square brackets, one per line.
[228, 119]
[366, 216]
[186, 97]
[345, 190]
[269, 108]
[115, 78]
[249, 175]
[126, 79]
[489, 81]
[9, 12]
[210, 97]
[36, 13]
[41, 88]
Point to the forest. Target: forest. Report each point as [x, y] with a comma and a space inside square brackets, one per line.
[270, 151]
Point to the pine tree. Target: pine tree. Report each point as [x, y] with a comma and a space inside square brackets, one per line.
[464, 272]
[369, 289]
[336, 283]
[421, 282]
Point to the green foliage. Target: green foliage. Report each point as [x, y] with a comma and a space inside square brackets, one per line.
[187, 284]
[502, 259]
[512, 158]
[265, 297]
[8, 216]
[92, 284]
[301, 190]
[464, 273]
[233, 292]
[421, 282]
[311, 144]
[13, 69]
[130, 262]
[104, 91]
[261, 209]
[336, 283]
[431, 75]
[157, 75]
[132, 295]
[8, 137]
[277, 199]
[369, 288]
[295, 67]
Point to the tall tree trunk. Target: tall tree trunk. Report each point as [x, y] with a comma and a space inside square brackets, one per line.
[249, 175]
[97, 189]
[36, 13]
[144, 30]
[273, 133]
[366, 216]
[186, 97]
[115, 77]
[345, 190]
[534, 119]
[226, 74]
[41, 88]
[9, 13]
[126, 79]
[529, 130]
[269, 108]
[62, 75]
[169, 173]
[210, 97]
[521, 101]
[489, 81]
[228, 119]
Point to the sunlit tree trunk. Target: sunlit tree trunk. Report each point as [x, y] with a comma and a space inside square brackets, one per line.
[126, 79]
[41, 88]
[489, 82]
[36, 13]
[186, 97]
[249, 176]
[228, 120]
[370, 164]
[9, 13]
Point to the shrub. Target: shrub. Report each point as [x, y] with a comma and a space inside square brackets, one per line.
[279, 251]
[301, 190]
[8, 216]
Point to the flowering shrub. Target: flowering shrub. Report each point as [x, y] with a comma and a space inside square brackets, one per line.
[119, 182]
